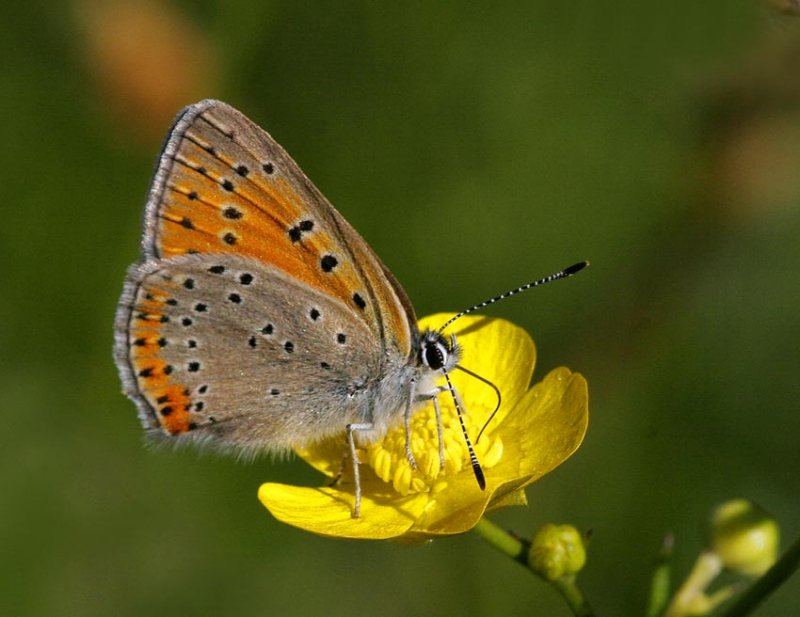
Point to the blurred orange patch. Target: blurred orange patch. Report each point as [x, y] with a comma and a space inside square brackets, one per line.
[147, 60]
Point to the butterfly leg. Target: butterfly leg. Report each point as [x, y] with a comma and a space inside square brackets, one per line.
[434, 397]
[338, 477]
[351, 441]
[412, 387]
[439, 429]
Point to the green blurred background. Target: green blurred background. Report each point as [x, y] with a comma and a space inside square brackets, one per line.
[475, 146]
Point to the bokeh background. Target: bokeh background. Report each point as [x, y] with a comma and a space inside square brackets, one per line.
[475, 146]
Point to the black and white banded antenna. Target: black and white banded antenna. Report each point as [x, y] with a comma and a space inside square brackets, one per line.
[573, 269]
[473, 458]
[476, 467]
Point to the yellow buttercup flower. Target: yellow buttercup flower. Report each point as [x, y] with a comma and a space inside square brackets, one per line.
[534, 431]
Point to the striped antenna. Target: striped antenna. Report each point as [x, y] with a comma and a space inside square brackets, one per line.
[573, 269]
[473, 458]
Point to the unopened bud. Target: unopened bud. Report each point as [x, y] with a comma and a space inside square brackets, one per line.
[744, 536]
[556, 551]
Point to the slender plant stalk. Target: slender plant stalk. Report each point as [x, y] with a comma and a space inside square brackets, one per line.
[705, 570]
[502, 540]
[517, 549]
[661, 584]
[573, 596]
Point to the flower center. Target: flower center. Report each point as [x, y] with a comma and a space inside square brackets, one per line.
[388, 456]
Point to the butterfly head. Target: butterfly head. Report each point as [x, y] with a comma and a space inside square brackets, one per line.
[438, 352]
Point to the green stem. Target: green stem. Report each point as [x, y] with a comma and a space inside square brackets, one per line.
[661, 584]
[517, 549]
[569, 590]
[693, 590]
[760, 589]
[502, 540]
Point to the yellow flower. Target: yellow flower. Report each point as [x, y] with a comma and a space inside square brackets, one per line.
[534, 431]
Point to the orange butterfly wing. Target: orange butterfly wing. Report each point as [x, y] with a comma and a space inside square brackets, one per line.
[223, 185]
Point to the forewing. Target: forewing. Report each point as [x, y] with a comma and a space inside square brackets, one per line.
[223, 185]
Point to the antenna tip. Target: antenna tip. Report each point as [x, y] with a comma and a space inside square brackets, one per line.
[479, 475]
[576, 268]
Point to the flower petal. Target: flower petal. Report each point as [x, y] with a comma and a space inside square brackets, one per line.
[456, 503]
[545, 427]
[328, 511]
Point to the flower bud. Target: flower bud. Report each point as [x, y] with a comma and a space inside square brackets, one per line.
[744, 536]
[556, 551]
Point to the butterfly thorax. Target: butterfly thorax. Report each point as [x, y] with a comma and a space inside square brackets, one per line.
[409, 383]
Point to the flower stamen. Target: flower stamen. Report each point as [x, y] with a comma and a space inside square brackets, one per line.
[388, 459]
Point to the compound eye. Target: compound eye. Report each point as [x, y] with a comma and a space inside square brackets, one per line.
[435, 355]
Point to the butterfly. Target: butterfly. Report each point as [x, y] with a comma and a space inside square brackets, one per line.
[258, 319]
